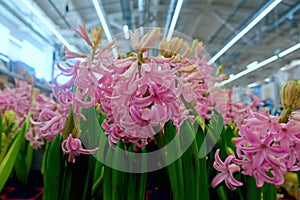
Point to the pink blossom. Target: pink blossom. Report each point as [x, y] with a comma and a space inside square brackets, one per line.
[227, 171]
[72, 54]
[73, 147]
[147, 41]
[296, 116]
[35, 137]
[51, 123]
[80, 101]
[287, 134]
[83, 34]
[262, 121]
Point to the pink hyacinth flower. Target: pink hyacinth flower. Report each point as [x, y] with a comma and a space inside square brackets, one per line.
[72, 147]
[227, 171]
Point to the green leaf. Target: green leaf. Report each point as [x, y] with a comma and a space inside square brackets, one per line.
[98, 182]
[107, 186]
[0, 133]
[222, 193]
[269, 191]
[253, 192]
[9, 128]
[143, 178]
[203, 177]
[175, 170]
[8, 161]
[21, 168]
[23, 162]
[118, 178]
[216, 125]
[53, 168]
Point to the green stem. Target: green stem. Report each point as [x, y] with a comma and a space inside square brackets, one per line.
[253, 192]
[284, 116]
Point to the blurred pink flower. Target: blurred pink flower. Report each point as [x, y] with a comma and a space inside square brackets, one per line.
[51, 123]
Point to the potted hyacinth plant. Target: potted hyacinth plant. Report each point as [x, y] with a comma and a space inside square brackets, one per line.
[134, 107]
[17, 106]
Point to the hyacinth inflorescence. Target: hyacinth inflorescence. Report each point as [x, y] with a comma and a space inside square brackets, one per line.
[136, 92]
[267, 146]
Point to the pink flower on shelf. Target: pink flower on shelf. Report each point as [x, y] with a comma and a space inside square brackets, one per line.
[73, 147]
[6, 101]
[51, 123]
[35, 137]
[227, 171]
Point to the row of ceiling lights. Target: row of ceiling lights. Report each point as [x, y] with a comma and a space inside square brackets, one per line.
[99, 9]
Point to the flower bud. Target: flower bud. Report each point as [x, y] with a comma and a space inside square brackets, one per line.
[289, 93]
[8, 117]
[3, 140]
[296, 116]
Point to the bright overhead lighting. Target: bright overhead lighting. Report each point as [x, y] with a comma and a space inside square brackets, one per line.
[245, 30]
[15, 40]
[252, 64]
[251, 85]
[174, 19]
[267, 80]
[289, 50]
[102, 20]
[126, 33]
[263, 63]
[6, 59]
[46, 22]
[247, 71]
[104, 24]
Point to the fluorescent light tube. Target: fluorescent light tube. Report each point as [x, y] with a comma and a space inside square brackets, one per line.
[126, 33]
[244, 31]
[15, 40]
[251, 85]
[46, 22]
[289, 50]
[102, 20]
[174, 19]
[247, 71]
[104, 25]
[267, 80]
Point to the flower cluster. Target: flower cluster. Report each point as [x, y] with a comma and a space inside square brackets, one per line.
[267, 147]
[138, 92]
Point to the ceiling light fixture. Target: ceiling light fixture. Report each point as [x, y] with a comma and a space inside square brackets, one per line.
[245, 30]
[15, 40]
[174, 19]
[254, 84]
[267, 80]
[261, 64]
[289, 50]
[104, 24]
[46, 22]
[126, 33]
[247, 71]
